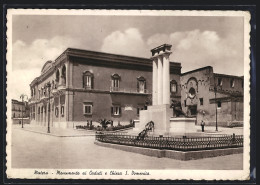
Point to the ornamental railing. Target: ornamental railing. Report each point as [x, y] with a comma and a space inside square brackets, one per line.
[171, 143]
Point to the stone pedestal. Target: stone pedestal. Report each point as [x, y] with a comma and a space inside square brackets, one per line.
[159, 114]
[182, 126]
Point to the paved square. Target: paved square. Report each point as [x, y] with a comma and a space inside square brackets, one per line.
[35, 150]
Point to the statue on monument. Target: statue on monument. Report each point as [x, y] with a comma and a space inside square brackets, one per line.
[177, 110]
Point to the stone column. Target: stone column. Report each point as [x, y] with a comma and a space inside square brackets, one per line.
[155, 81]
[166, 78]
[160, 81]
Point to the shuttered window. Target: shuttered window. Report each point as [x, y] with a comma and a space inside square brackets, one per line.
[87, 108]
[116, 110]
[88, 80]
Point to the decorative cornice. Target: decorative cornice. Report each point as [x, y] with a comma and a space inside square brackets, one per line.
[105, 59]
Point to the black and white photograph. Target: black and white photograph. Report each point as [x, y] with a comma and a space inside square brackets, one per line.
[127, 94]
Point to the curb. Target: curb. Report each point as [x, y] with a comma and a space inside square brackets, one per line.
[55, 135]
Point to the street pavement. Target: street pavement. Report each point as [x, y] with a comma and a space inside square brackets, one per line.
[36, 150]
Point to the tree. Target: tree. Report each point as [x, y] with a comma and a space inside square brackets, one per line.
[104, 123]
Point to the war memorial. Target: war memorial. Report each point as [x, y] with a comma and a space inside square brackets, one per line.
[163, 131]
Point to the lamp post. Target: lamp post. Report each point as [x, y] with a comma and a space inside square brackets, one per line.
[22, 97]
[215, 90]
[48, 86]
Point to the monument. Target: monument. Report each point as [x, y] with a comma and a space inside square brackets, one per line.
[160, 112]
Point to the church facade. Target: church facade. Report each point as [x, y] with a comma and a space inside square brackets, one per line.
[89, 86]
[212, 97]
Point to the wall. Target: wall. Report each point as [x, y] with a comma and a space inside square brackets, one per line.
[226, 82]
[205, 81]
[102, 103]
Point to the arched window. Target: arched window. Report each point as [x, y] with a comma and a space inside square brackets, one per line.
[57, 76]
[115, 79]
[63, 75]
[141, 85]
[88, 80]
[53, 85]
[62, 111]
[56, 111]
[39, 110]
[173, 86]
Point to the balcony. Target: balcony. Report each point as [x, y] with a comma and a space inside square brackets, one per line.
[123, 90]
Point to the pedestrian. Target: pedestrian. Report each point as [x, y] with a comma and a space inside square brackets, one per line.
[202, 125]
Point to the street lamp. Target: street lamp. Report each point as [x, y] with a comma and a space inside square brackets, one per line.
[215, 90]
[22, 97]
[48, 86]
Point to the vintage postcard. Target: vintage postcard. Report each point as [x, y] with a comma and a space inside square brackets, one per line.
[128, 94]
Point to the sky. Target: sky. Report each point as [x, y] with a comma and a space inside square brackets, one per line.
[196, 41]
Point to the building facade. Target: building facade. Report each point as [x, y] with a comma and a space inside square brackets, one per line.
[212, 97]
[89, 86]
[20, 109]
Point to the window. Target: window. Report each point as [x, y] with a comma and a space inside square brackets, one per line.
[87, 109]
[173, 86]
[56, 111]
[201, 101]
[115, 82]
[219, 104]
[116, 110]
[141, 85]
[185, 103]
[57, 79]
[232, 83]
[62, 111]
[63, 75]
[88, 82]
[220, 81]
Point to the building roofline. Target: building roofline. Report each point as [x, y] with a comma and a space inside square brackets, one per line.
[229, 76]
[17, 101]
[195, 70]
[116, 58]
[104, 55]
